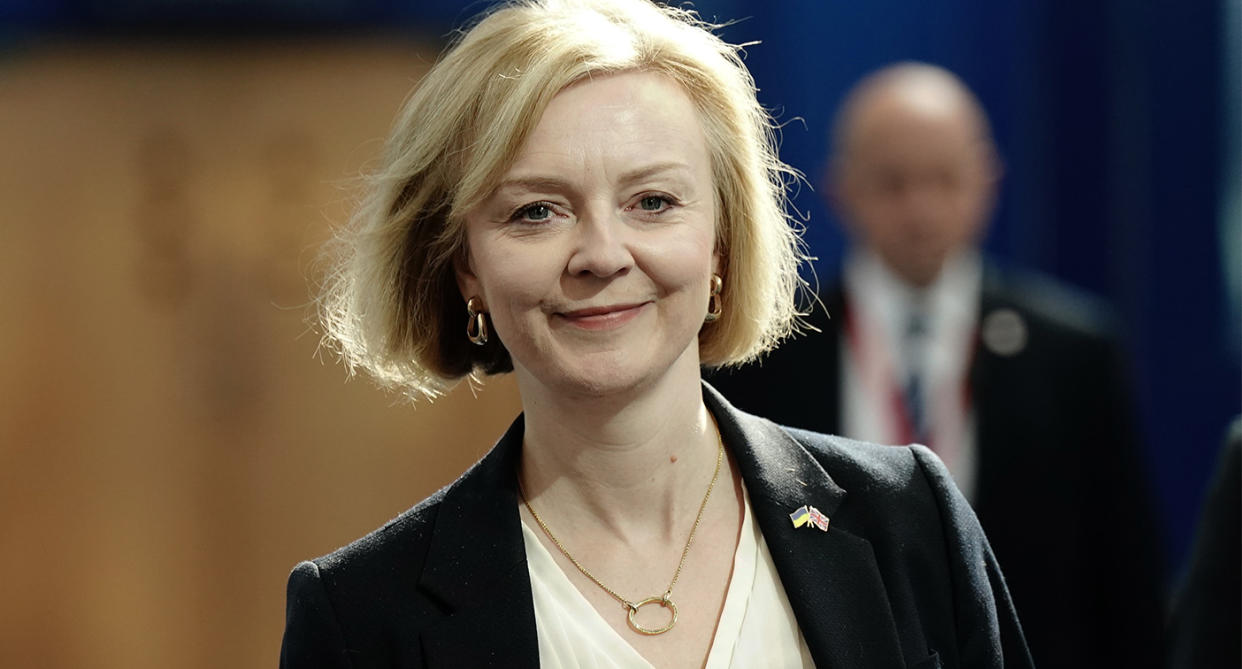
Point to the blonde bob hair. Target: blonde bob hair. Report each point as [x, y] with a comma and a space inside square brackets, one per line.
[390, 302]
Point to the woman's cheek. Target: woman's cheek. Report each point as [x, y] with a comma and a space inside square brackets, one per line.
[679, 261]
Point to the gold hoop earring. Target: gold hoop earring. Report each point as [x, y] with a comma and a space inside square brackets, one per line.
[714, 306]
[476, 325]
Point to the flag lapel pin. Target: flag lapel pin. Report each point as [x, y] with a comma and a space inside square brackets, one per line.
[809, 516]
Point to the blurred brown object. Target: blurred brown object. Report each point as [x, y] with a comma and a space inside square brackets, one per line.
[169, 444]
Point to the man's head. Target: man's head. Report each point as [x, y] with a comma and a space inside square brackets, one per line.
[913, 170]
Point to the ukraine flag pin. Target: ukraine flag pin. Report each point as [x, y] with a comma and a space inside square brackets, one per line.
[810, 517]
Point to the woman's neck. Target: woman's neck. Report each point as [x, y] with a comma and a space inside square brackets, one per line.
[634, 464]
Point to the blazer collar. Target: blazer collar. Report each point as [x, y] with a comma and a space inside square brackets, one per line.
[476, 568]
[831, 578]
[476, 561]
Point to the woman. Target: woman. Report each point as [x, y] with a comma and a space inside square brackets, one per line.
[586, 193]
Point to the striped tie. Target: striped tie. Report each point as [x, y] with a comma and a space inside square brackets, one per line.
[914, 343]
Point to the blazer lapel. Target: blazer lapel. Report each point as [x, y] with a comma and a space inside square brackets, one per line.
[831, 578]
[476, 567]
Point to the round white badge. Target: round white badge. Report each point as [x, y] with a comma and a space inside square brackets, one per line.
[1004, 332]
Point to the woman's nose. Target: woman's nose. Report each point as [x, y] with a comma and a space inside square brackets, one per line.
[600, 245]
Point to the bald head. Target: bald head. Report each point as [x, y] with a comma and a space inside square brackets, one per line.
[913, 170]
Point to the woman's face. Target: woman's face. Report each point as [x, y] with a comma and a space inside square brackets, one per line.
[594, 253]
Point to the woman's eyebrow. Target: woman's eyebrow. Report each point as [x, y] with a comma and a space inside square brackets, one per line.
[538, 184]
[655, 169]
[551, 184]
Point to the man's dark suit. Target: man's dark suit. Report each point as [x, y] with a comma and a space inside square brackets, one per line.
[1060, 490]
[1207, 611]
[902, 578]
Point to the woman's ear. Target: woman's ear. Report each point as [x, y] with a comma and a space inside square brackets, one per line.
[467, 282]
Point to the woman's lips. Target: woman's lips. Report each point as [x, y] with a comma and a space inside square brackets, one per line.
[603, 318]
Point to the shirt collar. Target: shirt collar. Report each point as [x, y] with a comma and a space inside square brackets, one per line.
[950, 302]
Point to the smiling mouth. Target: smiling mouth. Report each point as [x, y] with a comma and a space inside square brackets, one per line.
[603, 318]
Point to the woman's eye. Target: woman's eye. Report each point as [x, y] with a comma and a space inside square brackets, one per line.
[654, 203]
[651, 203]
[533, 213]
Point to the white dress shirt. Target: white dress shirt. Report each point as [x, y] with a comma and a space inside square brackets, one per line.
[757, 627]
[875, 365]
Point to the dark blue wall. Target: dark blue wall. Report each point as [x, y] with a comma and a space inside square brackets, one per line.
[1108, 115]
[1109, 118]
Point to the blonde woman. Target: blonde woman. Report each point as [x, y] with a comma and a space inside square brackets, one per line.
[585, 193]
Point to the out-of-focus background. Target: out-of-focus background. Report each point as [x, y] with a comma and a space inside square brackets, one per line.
[170, 445]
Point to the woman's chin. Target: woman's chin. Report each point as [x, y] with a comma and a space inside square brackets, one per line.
[597, 378]
[618, 372]
[601, 383]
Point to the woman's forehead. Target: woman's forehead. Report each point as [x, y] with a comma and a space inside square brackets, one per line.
[632, 124]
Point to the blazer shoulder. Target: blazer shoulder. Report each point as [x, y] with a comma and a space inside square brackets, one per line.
[406, 531]
[1052, 304]
[898, 485]
[379, 594]
[412, 529]
[861, 466]
[344, 604]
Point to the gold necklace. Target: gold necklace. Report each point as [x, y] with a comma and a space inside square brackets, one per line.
[663, 600]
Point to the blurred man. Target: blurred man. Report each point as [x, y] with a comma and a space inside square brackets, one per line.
[1013, 381]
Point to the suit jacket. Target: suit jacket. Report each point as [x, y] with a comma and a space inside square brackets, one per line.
[1207, 613]
[902, 578]
[1060, 488]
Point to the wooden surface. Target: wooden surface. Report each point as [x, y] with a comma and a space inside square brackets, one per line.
[170, 445]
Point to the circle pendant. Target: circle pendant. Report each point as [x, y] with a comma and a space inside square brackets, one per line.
[663, 601]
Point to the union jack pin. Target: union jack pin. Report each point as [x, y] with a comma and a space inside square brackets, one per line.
[810, 517]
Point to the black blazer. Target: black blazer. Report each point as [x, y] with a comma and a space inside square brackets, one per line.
[1061, 488]
[903, 577]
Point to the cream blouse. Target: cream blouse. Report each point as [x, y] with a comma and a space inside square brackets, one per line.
[757, 627]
